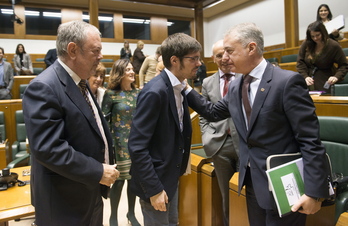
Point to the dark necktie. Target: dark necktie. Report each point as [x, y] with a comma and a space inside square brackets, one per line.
[245, 95]
[83, 89]
[226, 83]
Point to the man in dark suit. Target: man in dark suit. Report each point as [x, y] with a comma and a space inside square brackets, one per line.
[220, 139]
[6, 77]
[50, 57]
[70, 143]
[160, 137]
[282, 120]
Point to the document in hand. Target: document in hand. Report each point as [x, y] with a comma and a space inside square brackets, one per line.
[286, 183]
[336, 23]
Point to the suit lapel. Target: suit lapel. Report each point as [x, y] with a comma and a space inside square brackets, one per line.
[261, 94]
[216, 88]
[75, 95]
[235, 96]
[171, 96]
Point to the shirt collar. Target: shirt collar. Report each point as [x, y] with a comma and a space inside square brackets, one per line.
[258, 71]
[221, 73]
[73, 75]
[174, 80]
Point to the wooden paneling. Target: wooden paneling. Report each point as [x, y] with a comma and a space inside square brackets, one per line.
[291, 23]
[211, 204]
[189, 194]
[331, 105]
[238, 207]
[18, 80]
[159, 29]
[9, 107]
[71, 14]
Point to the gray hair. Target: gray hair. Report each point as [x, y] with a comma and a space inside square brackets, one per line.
[179, 45]
[73, 31]
[246, 33]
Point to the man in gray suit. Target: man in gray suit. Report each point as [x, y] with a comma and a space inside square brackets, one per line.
[6, 77]
[220, 139]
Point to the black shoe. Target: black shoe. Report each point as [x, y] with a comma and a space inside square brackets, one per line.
[132, 220]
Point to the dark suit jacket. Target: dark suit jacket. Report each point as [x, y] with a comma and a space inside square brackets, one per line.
[214, 133]
[50, 57]
[283, 120]
[67, 149]
[158, 149]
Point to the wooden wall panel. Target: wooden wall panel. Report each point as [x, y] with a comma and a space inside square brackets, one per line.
[159, 29]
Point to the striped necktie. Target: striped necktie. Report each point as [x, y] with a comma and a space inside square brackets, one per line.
[83, 89]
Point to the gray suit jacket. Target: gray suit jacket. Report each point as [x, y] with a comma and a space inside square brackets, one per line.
[8, 75]
[26, 63]
[214, 133]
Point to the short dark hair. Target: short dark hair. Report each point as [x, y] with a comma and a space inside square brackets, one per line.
[3, 51]
[179, 45]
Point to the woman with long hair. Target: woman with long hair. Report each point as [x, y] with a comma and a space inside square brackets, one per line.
[324, 15]
[317, 57]
[120, 102]
[22, 61]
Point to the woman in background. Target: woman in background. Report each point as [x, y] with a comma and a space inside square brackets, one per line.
[120, 100]
[96, 83]
[138, 57]
[324, 15]
[22, 61]
[126, 52]
[317, 57]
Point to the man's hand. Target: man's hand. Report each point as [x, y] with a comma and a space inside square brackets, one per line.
[306, 205]
[110, 174]
[159, 201]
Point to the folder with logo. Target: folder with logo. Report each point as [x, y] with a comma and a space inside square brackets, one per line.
[285, 180]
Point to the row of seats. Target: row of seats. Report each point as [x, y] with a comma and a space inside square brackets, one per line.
[20, 153]
[293, 57]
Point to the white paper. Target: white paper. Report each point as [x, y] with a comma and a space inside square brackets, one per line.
[336, 23]
[291, 188]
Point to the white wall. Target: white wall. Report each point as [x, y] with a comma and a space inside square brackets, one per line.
[269, 16]
[42, 46]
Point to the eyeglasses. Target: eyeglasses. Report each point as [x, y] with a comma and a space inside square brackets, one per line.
[195, 58]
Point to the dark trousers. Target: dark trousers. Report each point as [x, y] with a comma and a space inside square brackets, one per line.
[262, 217]
[154, 217]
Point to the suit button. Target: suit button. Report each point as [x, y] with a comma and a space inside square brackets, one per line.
[178, 165]
[250, 146]
[103, 150]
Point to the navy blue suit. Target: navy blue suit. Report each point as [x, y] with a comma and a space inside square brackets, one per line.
[158, 149]
[67, 149]
[283, 120]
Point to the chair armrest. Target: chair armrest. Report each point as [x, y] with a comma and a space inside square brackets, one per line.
[341, 204]
[15, 149]
[21, 161]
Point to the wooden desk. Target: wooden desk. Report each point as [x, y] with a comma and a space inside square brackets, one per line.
[15, 201]
[331, 105]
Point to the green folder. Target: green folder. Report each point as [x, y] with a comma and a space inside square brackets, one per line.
[285, 180]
